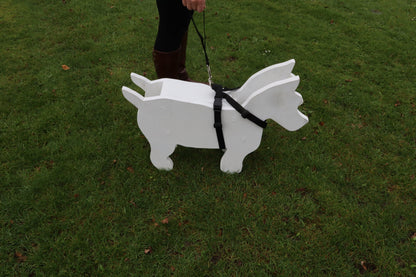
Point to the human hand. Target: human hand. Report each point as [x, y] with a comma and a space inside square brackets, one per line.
[195, 5]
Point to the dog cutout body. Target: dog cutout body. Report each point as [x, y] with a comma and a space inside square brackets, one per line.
[175, 112]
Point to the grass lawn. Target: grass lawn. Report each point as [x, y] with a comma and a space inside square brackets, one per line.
[79, 196]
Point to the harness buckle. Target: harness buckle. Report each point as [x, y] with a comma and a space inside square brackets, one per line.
[217, 125]
[245, 113]
[217, 104]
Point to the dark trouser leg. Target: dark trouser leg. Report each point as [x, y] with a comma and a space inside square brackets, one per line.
[182, 73]
[170, 46]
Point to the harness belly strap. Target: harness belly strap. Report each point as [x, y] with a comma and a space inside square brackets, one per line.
[219, 95]
[217, 115]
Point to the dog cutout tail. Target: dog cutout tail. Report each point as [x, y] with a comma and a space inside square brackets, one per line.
[140, 81]
[133, 97]
[151, 88]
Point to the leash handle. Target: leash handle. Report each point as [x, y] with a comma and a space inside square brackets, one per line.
[204, 46]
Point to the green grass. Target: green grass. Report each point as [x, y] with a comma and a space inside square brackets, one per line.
[79, 196]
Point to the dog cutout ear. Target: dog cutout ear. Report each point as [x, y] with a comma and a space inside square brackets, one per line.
[133, 97]
[263, 78]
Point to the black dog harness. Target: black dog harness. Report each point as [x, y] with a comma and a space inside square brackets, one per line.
[220, 95]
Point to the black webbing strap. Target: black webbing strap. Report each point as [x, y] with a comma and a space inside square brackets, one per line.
[219, 95]
[217, 114]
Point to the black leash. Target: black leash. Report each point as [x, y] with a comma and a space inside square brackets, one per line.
[220, 95]
[204, 45]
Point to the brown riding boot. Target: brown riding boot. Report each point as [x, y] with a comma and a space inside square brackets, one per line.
[166, 63]
[182, 73]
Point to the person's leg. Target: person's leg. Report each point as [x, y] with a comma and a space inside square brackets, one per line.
[170, 46]
[182, 73]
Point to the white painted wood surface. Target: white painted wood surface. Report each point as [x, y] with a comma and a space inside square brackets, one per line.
[175, 112]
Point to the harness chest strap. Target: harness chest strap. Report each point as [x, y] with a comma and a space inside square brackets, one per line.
[219, 96]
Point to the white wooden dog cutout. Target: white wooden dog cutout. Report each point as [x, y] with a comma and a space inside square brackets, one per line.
[175, 112]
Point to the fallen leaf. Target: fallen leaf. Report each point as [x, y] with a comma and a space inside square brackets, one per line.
[302, 191]
[130, 169]
[148, 250]
[363, 265]
[165, 221]
[321, 123]
[20, 257]
[65, 67]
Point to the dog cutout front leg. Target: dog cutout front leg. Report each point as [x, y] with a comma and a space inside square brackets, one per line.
[159, 155]
[232, 160]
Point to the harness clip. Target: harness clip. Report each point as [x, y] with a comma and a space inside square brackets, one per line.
[217, 125]
[245, 113]
[218, 104]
